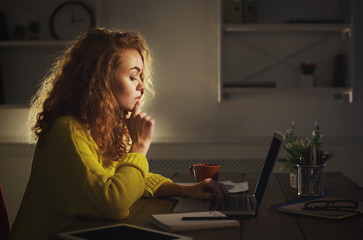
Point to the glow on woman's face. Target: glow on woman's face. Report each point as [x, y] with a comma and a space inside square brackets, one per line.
[129, 87]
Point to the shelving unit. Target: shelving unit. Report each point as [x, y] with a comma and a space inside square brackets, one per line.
[246, 45]
[23, 63]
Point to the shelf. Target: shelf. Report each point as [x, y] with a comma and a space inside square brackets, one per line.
[13, 106]
[338, 93]
[49, 43]
[316, 89]
[345, 28]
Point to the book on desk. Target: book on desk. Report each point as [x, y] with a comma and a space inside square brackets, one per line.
[176, 222]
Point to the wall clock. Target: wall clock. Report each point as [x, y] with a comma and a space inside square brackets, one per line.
[70, 19]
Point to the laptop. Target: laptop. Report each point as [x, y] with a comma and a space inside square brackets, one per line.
[239, 205]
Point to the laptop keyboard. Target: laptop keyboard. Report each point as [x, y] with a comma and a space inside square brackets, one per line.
[235, 203]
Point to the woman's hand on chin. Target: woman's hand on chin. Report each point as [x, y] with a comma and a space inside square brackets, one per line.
[141, 129]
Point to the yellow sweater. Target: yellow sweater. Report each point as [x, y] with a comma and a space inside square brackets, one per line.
[68, 180]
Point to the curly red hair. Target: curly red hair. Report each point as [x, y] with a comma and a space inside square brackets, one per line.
[81, 84]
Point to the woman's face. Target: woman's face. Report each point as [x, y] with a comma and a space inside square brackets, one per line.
[129, 87]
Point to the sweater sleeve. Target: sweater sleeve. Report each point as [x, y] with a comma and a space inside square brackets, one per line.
[153, 182]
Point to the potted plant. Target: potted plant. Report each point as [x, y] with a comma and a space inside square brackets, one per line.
[300, 148]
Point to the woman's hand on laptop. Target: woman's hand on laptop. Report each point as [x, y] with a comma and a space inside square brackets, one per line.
[207, 189]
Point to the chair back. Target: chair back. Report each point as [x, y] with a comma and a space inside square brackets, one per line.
[4, 220]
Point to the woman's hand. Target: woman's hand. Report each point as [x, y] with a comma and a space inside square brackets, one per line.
[207, 189]
[141, 129]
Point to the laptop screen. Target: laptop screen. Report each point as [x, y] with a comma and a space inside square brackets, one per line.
[268, 166]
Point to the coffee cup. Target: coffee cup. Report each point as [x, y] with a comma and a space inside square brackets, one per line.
[202, 171]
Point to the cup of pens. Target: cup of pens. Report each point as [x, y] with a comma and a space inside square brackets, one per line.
[311, 175]
[310, 180]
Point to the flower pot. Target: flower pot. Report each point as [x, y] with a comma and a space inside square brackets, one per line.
[294, 178]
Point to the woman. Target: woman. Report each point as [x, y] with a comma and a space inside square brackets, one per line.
[92, 137]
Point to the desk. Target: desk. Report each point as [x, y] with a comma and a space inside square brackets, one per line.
[268, 224]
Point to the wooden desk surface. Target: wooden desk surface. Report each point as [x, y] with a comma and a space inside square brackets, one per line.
[268, 224]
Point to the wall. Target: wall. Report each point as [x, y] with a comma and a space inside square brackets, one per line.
[185, 41]
[184, 36]
[187, 75]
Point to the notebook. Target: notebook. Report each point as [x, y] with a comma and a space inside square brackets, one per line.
[238, 204]
[175, 222]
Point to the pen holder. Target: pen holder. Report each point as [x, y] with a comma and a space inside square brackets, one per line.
[310, 180]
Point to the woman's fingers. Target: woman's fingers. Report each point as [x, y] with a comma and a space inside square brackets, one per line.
[136, 110]
[141, 128]
[208, 188]
[225, 191]
[219, 189]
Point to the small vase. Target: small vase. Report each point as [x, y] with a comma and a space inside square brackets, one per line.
[294, 178]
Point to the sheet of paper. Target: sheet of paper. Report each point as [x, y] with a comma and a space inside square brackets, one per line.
[233, 187]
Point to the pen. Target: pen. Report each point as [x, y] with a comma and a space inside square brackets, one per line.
[203, 218]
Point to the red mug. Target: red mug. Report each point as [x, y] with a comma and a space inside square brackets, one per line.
[202, 171]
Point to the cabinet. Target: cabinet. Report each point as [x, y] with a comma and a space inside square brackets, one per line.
[287, 45]
[25, 56]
